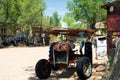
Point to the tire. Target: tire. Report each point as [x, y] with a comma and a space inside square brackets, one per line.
[84, 68]
[43, 69]
[88, 50]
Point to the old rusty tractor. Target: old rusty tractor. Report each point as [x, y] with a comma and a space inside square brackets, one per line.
[61, 55]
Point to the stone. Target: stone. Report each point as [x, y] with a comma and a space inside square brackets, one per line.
[100, 68]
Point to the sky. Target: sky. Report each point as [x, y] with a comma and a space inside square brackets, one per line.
[56, 5]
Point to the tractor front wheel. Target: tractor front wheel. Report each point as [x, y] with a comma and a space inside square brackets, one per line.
[84, 68]
[43, 69]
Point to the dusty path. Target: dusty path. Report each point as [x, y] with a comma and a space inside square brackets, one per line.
[18, 64]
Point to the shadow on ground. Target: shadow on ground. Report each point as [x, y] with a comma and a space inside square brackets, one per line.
[56, 75]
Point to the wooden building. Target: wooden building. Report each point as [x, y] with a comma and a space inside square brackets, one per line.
[113, 22]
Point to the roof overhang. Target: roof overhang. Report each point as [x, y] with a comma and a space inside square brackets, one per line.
[69, 31]
[110, 4]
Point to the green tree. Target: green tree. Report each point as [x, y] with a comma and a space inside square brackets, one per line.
[9, 14]
[32, 12]
[9, 11]
[55, 19]
[46, 21]
[68, 19]
[21, 13]
[88, 11]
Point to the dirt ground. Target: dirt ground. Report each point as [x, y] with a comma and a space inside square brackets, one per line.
[18, 63]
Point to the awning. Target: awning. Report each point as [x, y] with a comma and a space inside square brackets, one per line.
[68, 31]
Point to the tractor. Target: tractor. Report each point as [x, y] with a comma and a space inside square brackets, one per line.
[62, 54]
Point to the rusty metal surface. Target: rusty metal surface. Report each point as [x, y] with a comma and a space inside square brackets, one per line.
[113, 22]
[68, 31]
